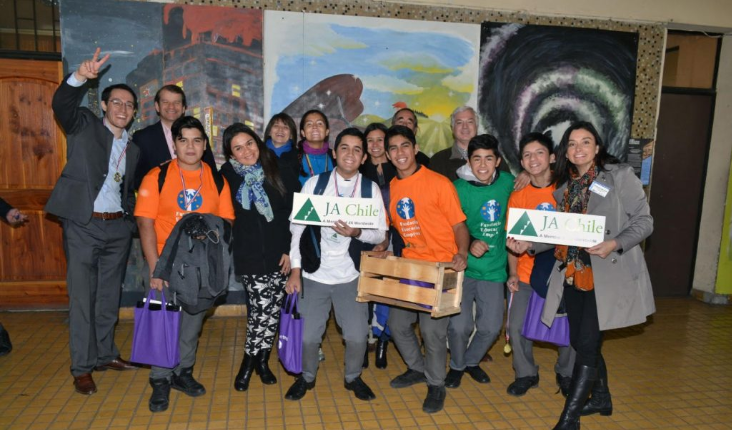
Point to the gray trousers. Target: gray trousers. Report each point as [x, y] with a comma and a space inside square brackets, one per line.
[523, 349]
[489, 306]
[434, 334]
[96, 260]
[351, 316]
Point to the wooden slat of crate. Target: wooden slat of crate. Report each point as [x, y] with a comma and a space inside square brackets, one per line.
[394, 290]
[395, 268]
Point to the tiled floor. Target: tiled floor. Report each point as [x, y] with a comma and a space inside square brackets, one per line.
[674, 372]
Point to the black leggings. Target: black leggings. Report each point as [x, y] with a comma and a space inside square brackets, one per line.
[584, 328]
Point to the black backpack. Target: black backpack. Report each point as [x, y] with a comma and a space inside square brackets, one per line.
[310, 239]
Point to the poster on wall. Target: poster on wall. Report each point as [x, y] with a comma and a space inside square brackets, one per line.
[360, 70]
[213, 53]
[543, 78]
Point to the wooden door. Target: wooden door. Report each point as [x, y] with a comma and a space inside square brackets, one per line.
[32, 150]
[677, 188]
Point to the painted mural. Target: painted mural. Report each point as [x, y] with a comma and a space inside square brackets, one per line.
[542, 78]
[360, 70]
[213, 53]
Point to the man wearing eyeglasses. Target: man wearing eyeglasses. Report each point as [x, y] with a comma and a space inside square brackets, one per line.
[94, 200]
[156, 141]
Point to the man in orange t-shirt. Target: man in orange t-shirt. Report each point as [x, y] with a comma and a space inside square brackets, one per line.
[189, 186]
[426, 211]
[536, 158]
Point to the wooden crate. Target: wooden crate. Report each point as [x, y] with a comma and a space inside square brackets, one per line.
[379, 282]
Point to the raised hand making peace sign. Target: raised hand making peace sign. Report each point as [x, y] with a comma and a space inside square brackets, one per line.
[89, 69]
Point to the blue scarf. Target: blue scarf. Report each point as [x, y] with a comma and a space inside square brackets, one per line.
[252, 188]
[282, 149]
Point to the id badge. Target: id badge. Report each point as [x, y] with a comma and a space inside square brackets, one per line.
[599, 188]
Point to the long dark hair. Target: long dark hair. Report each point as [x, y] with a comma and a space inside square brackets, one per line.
[300, 150]
[563, 165]
[266, 157]
[371, 127]
[285, 119]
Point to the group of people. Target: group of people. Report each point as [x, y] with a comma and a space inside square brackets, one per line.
[450, 208]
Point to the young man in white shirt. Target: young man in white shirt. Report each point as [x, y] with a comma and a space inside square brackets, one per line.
[335, 280]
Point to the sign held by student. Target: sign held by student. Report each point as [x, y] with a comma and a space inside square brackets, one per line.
[558, 228]
[326, 210]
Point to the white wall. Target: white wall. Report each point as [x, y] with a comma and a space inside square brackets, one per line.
[709, 14]
[718, 169]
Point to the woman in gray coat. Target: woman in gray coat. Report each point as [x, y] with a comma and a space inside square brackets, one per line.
[606, 286]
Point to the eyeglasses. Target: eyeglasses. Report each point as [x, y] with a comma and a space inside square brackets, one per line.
[117, 103]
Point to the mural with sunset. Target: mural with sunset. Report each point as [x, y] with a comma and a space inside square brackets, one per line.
[360, 70]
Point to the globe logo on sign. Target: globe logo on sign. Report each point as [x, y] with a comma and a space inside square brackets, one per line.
[491, 211]
[189, 194]
[405, 208]
[546, 206]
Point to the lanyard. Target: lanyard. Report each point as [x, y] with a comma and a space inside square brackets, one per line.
[188, 202]
[117, 176]
[310, 166]
[335, 179]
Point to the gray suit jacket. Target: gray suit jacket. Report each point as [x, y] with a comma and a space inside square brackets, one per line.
[622, 285]
[89, 146]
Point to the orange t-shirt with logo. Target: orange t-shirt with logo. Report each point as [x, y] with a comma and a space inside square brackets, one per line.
[531, 197]
[423, 208]
[168, 206]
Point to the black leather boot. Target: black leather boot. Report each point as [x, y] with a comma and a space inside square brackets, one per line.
[241, 382]
[262, 367]
[381, 347]
[600, 402]
[583, 378]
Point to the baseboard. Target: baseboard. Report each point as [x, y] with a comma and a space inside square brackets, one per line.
[712, 298]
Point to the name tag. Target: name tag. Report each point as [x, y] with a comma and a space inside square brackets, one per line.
[599, 188]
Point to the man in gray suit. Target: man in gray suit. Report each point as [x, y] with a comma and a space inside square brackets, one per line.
[94, 201]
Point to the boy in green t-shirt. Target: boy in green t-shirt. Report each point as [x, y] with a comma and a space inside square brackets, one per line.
[483, 191]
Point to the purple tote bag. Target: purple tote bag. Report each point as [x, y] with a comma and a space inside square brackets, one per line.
[289, 347]
[535, 330]
[155, 339]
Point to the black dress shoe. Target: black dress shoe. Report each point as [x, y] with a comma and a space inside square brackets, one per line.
[381, 347]
[160, 397]
[84, 384]
[5, 345]
[299, 388]
[520, 386]
[186, 384]
[478, 374]
[407, 379]
[360, 389]
[117, 364]
[563, 382]
[435, 400]
[453, 378]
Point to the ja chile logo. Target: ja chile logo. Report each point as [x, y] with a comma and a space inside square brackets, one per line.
[307, 212]
[524, 227]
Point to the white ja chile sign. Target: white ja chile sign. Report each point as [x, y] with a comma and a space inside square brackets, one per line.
[558, 228]
[326, 210]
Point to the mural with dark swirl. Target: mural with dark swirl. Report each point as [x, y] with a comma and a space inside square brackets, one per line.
[542, 78]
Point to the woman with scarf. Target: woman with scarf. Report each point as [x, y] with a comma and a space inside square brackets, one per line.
[606, 286]
[262, 204]
[313, 153]
[279, 136]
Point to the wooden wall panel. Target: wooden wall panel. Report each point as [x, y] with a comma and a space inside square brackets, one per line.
[32, 150]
